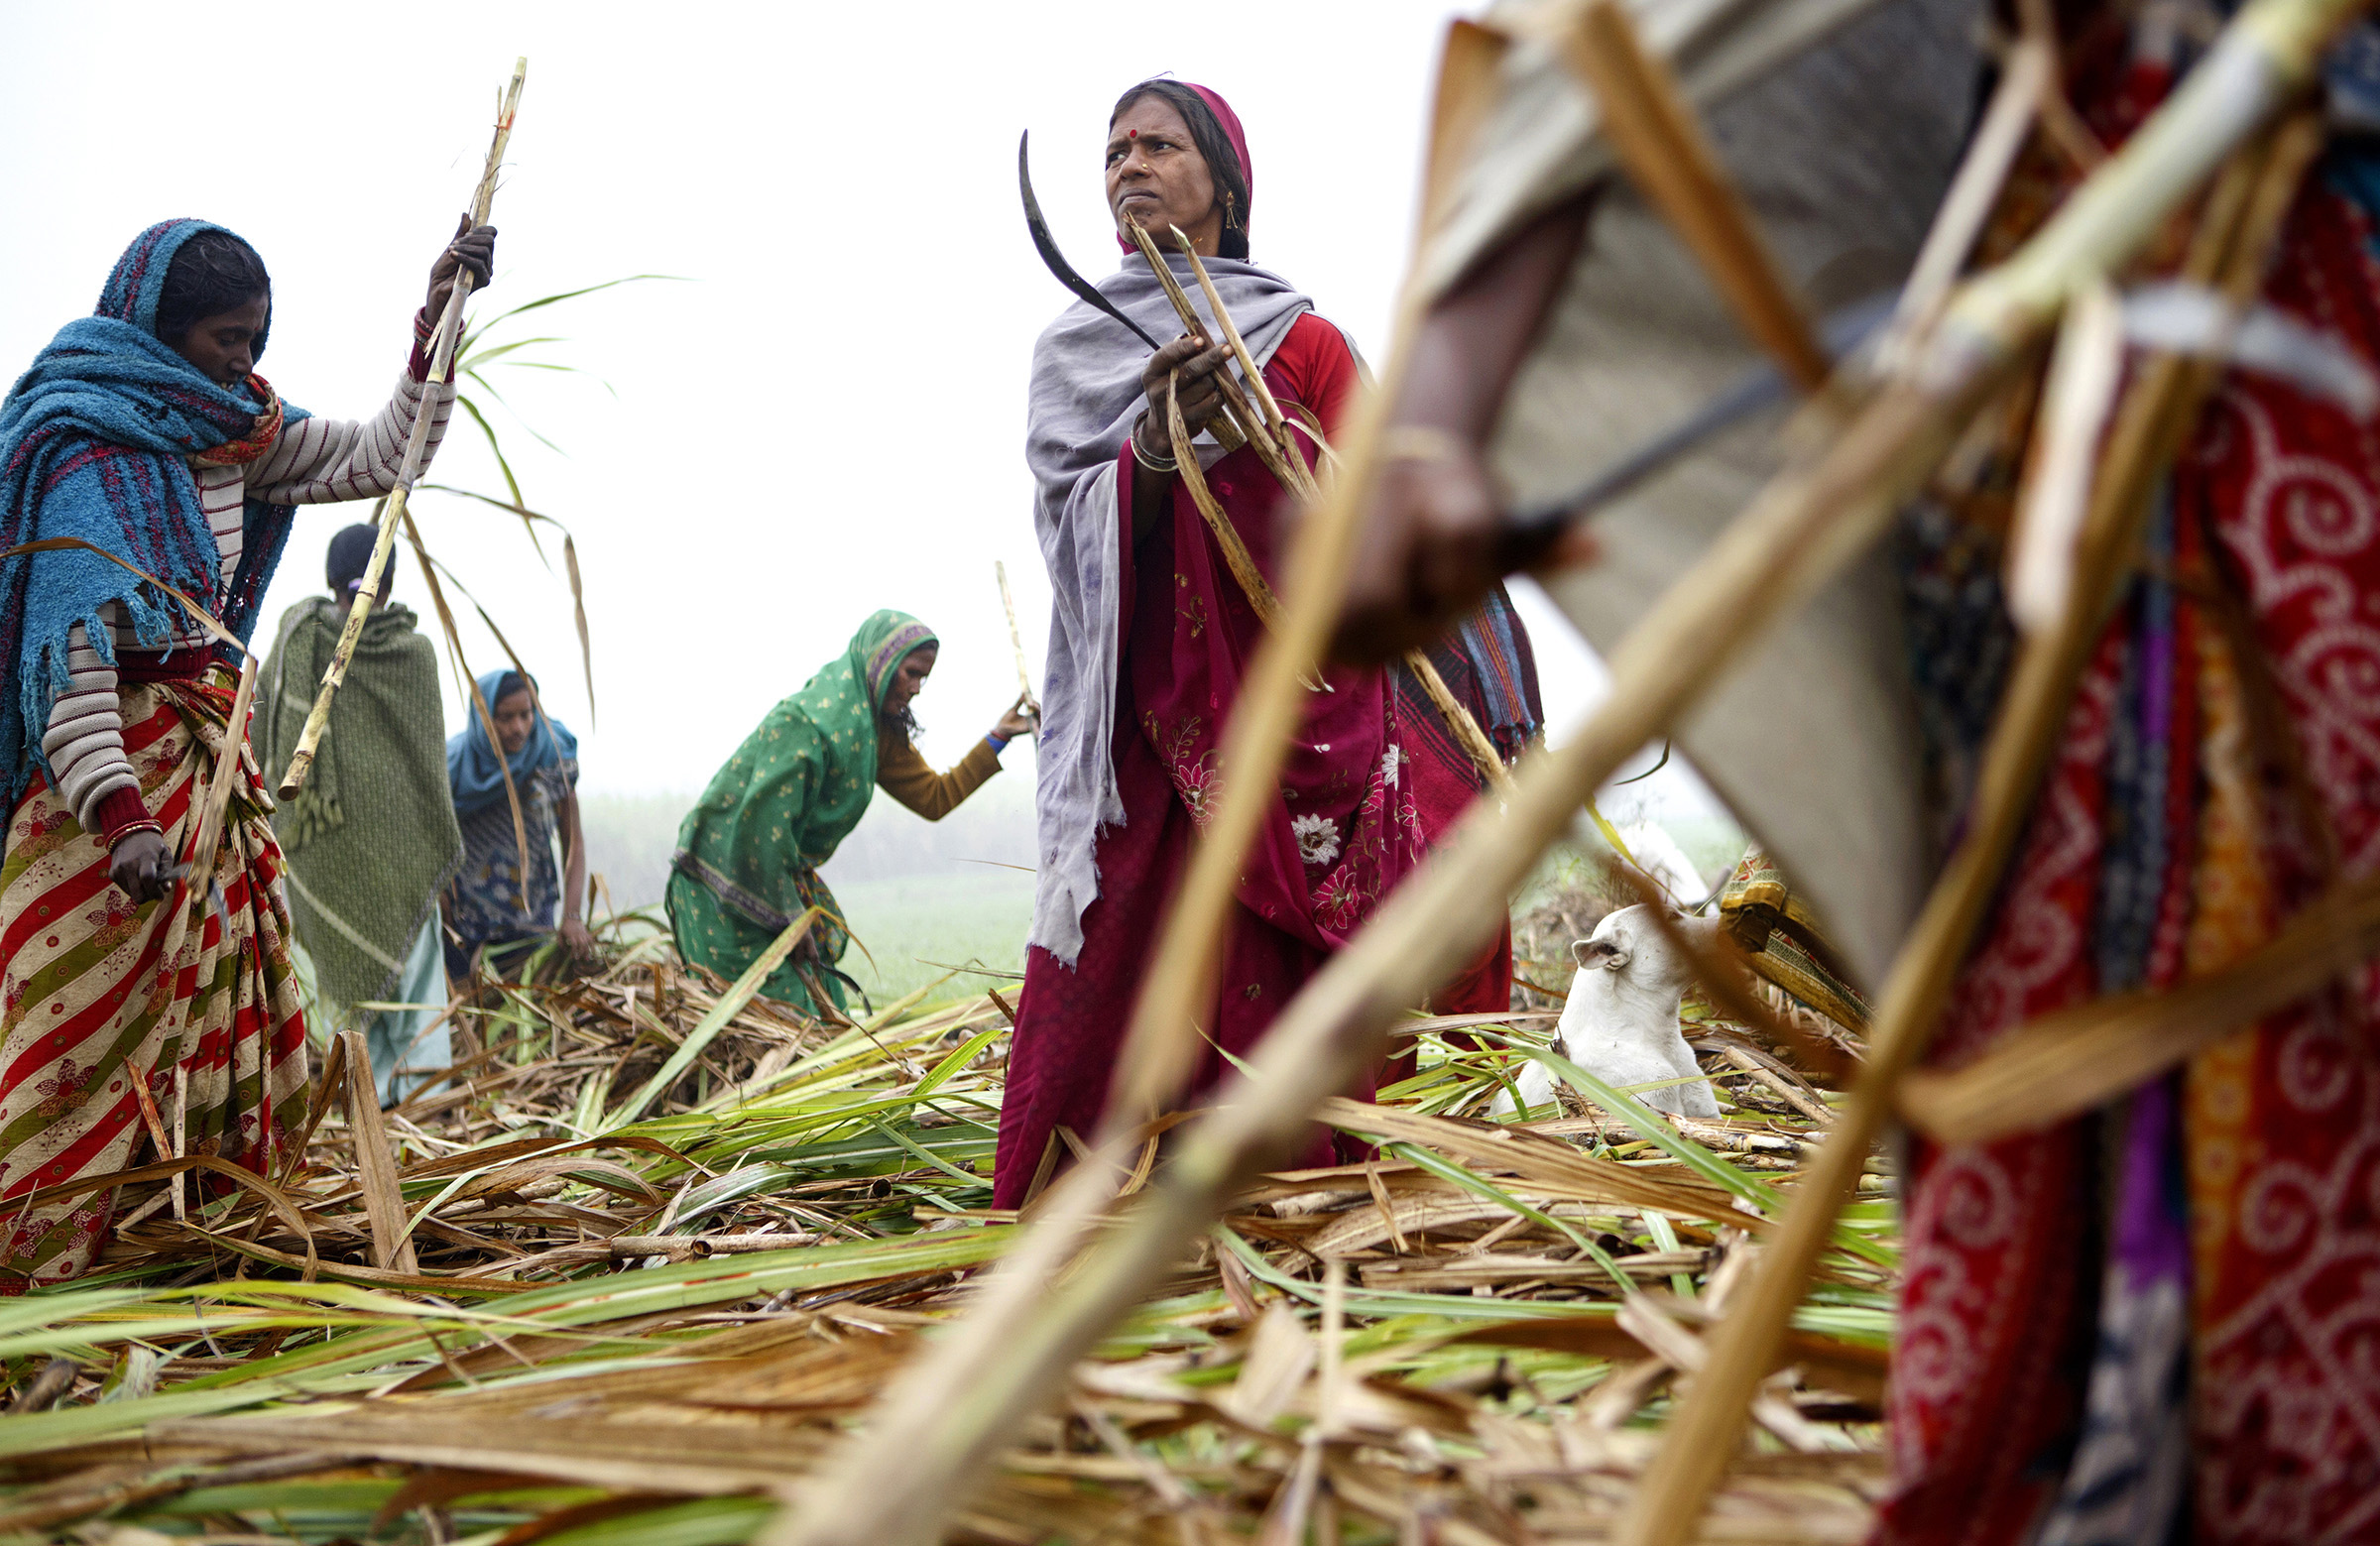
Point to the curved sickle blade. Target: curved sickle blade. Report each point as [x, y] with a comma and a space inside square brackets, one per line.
[1047, 246]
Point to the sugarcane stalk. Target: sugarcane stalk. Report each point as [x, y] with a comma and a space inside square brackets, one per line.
[1273, 421]
[1976, 188]
[1235, 556]
[2264, 58]
[190, 893]
[416, 449]
[1246, 422]
[1483, 753]
[1669, 157]
[1267, 608]
[947, 1412]
[1007, 603]
[2077, 394]
[1290, 467]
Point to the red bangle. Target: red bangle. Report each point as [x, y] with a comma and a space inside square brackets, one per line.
[121, 813]
[425, 329]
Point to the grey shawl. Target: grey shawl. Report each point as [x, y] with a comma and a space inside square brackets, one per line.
[1085, 395]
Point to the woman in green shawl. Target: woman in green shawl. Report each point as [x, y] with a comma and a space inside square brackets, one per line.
[748, 854]
[372, 838]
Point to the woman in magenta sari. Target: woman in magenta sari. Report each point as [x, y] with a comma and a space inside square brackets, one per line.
[1150, 636]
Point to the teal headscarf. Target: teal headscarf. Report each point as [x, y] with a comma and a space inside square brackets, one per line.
[474, 772]
[784, 802]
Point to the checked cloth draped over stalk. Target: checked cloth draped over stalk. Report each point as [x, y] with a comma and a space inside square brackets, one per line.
[372, 837]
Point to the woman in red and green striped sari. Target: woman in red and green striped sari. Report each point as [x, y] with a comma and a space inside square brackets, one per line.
[143, 434]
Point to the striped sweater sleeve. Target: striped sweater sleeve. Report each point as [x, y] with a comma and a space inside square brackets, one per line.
[84, 742]
[322, 461]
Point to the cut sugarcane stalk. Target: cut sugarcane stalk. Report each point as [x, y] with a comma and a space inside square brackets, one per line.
[1280, 452]
[417, 448]
[1007, 603]
[1483, 753]
[1976, 188]
[1239, 345]
[1235, 555]
[1246, 422]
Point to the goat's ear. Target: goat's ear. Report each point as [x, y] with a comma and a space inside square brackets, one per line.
[1592, 953]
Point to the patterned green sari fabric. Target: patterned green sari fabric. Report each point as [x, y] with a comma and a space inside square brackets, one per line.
[747, 853]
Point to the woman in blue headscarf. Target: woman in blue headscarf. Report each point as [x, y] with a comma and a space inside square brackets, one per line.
[141, 451]
[498, 901]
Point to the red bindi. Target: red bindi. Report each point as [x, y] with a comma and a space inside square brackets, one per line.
[1132, 133]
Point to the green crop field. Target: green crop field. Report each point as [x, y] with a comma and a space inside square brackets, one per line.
[957, 920]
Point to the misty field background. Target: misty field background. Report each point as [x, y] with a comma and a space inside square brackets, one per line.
[923, 896]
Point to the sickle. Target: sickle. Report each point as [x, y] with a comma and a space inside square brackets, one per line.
[1047, 246]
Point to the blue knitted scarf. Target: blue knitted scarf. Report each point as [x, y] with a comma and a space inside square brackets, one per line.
[93, 438]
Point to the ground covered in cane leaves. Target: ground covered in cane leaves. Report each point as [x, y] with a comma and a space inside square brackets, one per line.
[656, 1249]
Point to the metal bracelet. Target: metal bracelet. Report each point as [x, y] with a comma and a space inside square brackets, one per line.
[1153, 463]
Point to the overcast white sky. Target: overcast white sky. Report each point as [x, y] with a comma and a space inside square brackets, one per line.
[827, 417]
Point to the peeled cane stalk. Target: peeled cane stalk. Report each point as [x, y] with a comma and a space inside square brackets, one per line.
[417, 447]
[1974, 192]
[947, 1412]
[1007, 603]
[1238, 346]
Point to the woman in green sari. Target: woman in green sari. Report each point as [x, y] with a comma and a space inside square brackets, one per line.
[748, 854]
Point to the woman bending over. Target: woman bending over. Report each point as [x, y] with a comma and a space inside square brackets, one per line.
[748, 854]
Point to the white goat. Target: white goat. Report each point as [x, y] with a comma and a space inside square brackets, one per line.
[1621, 1023]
